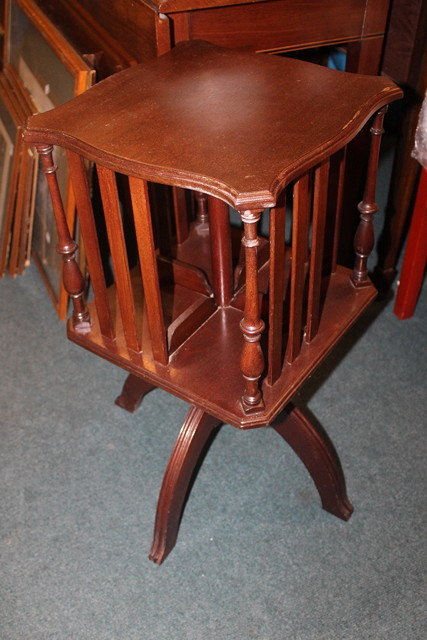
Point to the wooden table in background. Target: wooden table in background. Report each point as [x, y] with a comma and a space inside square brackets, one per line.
[150, 28]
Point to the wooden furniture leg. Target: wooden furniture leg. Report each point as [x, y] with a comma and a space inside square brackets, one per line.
[134, 390]
[191, 440]
[317, 453]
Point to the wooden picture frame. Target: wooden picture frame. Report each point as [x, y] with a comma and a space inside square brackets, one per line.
[56, 74]
[20, 217]
[7, 144]
[95, 44]
[11, 119]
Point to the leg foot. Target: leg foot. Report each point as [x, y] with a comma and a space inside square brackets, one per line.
[192, 438]
[320, 458]
[134, 389]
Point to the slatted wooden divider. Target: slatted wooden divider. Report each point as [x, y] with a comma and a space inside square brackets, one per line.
[300, 232]
[295, 274]
[321, 174]
[277, 292]
[296, 291]
[340, 156]
[112, 214]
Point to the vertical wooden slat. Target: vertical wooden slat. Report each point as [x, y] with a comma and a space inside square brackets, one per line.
[147, 259]
[116, 239]
[163, 33]
[300, 230]
[162, 209]
[180, 214]
[181, 26]
[276, 288]
[222, 266]
[317, 242]
[81, 191]
[338, 211]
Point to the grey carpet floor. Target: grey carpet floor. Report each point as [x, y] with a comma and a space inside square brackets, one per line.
[256, 556]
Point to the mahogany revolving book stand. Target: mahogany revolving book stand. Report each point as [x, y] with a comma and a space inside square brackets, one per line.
[234, 327]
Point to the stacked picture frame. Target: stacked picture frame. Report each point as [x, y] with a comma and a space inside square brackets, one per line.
[18, 169]
[41, 70]
[52, 52]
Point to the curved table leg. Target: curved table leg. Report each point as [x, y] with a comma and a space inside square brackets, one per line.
[134, 389]
[317, 453]
[191, 440]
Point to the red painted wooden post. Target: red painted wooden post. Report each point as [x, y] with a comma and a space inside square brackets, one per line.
[414, 263]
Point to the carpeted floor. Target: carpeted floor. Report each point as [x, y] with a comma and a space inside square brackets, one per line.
[256, 556]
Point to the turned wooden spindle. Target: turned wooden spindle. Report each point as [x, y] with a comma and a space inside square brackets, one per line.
[364, 239]
[73, 280]
[252, 326]
[202, 215]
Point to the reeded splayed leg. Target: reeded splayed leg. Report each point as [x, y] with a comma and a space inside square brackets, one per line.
[252, 359]
[364, 239]
[192, 438]
[134, 390]
[73, 280]
[317, 453]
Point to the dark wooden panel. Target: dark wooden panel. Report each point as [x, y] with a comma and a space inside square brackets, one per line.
[279, 25]
[133, 24]
[376, 17]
